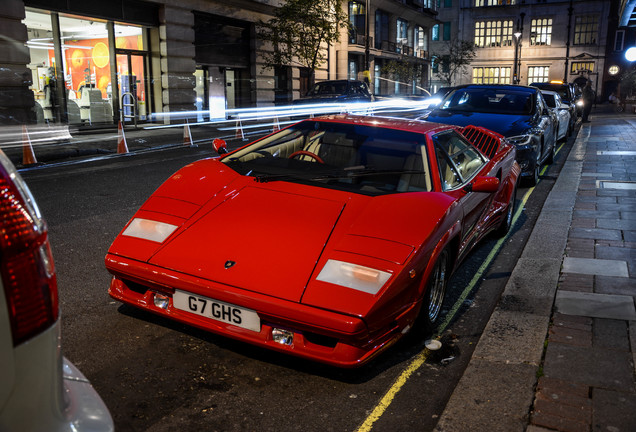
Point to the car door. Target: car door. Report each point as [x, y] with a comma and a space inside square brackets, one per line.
[458, 163]
[548, 124]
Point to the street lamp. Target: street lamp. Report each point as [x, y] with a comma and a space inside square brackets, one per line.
[515, 78]
[517, 64]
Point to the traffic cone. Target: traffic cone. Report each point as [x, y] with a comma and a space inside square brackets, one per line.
[28, 156]
[122, 147]
[239, 130]
[187, 135]
[276, 127]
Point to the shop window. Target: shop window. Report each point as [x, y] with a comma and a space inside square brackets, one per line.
[85, 95]
[282, 85]
[129, 37]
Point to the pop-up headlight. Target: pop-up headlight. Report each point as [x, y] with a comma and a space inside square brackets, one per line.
[149, 230]
[353, 276]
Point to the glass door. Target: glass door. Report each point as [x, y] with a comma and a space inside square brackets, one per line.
[131, 77]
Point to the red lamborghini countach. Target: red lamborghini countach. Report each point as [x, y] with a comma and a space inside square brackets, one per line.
[325, 240]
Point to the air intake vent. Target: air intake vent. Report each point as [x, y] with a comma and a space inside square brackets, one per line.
[486, 141]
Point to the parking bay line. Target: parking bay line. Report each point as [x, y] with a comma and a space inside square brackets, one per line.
[421, 357]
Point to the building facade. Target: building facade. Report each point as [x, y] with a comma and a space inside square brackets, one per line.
[95, 63]
[526, 41]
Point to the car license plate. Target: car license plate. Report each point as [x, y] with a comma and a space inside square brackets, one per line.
[217, 310]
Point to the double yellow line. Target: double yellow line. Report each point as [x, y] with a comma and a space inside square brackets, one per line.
[421, 357]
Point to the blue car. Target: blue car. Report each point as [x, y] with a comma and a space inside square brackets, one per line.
[519, 113]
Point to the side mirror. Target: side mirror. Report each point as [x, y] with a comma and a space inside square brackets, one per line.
[220, 146]
[483, 184]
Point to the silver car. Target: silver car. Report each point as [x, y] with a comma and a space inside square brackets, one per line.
[40, 390]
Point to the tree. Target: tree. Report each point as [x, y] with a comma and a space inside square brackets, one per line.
[455, 59]
[403, 71]
[300, 30]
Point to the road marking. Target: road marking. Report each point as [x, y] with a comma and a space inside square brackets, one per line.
[421, 357]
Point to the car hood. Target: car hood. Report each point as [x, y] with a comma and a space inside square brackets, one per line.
[507, 125]
[267, 241]
[273, 238]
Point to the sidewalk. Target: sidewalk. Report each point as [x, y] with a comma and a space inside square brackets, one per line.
[558, 352]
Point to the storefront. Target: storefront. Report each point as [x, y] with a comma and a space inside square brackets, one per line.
[89, 71]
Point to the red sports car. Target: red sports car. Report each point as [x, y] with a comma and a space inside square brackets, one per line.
[325, 240]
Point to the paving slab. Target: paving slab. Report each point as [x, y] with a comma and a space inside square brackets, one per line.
[613, 410]
[598, 234]
[609, 306]
[615, 285]
[595, 266]
[595, 367]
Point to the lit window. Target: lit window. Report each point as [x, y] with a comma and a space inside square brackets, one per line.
[585, 29]
[541, 31]
[493, 33]
[491, 75]
[538, 74]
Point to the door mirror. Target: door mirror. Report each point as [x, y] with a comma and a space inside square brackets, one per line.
[220, 146]
[483, 184]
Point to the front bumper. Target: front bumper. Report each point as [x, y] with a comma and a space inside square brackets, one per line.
[319, 335]
[527, 159]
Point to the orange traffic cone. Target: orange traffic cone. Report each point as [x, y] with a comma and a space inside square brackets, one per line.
[276, 127]
[187, 135]
[28, 156]
[239, 130]
[122, 147]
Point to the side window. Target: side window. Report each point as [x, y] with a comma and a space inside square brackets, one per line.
[458, 161]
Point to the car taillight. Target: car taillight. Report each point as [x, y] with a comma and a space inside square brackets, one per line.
[26, 263]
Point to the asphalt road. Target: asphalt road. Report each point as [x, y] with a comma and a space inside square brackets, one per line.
[155, 375]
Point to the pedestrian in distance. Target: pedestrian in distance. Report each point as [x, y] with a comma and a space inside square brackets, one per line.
[588, 100]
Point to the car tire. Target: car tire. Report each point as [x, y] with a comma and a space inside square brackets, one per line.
[534, 179]
[506, 222]
[436, 290]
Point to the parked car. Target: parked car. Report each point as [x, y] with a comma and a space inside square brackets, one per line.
[570, 95]
[41, 390]
[337, 91]
[519, 113]
[561, 111]
[325, 240]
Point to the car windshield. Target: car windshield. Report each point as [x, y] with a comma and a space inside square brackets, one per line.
[561, 89]
[364, 159]
[499, 101]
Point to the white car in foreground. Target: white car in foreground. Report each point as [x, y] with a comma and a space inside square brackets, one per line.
[40, 390]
